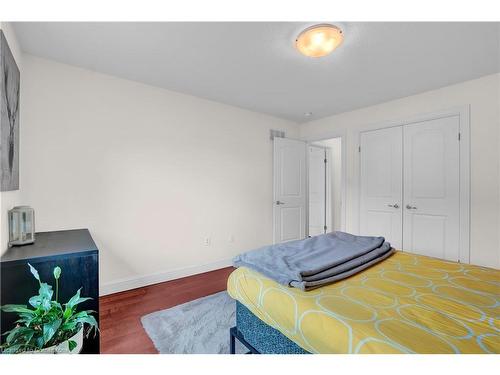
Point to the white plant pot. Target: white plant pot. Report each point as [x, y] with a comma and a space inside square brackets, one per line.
[63, 347]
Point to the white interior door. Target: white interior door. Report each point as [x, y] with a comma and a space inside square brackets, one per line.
[431, 188]
[289, 208]
[317, 190]
[381, 184]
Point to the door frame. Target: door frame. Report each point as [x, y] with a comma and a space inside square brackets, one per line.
[328, 187]
[329, 135]
[463, 113]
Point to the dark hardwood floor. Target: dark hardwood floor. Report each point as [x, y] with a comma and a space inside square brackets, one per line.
[120, 313]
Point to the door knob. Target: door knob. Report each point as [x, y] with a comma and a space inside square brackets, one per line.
[395, 205]
[411, 207]
[279, 202]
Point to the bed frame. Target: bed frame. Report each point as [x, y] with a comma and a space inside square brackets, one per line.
[233, 335]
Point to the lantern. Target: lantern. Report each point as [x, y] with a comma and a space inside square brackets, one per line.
[21, 225]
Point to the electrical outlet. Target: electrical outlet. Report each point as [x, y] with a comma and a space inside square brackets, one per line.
[231, 239]
[207, 241]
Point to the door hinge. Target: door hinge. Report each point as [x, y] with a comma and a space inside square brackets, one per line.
[359, 148]
[459, 136]
[325, 161]
[325, 227]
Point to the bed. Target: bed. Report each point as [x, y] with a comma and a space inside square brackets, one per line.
[405, 304]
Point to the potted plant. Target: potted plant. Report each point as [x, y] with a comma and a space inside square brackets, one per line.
[48, 327]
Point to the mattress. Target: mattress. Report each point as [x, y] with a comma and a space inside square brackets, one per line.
[405, 304]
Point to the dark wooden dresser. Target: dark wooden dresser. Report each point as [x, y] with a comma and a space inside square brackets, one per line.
[72, 250]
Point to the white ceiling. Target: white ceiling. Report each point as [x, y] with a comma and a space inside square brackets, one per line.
[255, 65]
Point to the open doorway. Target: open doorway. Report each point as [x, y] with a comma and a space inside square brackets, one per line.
[325, 186]
[308, 187]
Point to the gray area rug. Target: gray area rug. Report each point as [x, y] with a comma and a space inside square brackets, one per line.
[197, 327]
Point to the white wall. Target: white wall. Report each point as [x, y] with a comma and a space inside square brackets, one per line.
[483, 96]
[150, 172]
[9, 199]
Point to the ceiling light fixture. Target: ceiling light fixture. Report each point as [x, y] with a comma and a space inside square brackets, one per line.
[319, 40]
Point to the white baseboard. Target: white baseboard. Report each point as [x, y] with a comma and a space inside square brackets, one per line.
[140, 281]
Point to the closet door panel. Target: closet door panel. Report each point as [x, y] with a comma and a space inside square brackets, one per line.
[381, 184]
[431, 188]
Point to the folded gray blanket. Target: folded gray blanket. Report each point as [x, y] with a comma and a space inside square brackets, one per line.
[310, 285]
[355, 262]
[316, 261]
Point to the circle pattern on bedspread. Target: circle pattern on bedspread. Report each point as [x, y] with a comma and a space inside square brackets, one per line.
[405, 304]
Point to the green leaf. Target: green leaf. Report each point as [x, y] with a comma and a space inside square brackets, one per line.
[25, 319]
[39, 342]
[75, 300]
[67, 312]
[34, 272]
[80, 314]
[72, 302]
[72, 345]
[49, 329]
[11, 335]
[19, 332]
[56, 304]
[57, 272]
[83, 299]
[16, 309]
[69, 326]
[89, 320]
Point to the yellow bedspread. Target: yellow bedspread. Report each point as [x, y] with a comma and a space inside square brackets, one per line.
[405, 304]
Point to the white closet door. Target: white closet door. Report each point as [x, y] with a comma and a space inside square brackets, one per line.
[381, 184]
[289, 208]
[431, 188]
[317, 190]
